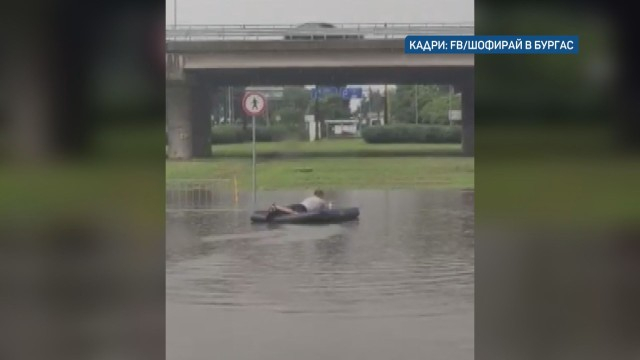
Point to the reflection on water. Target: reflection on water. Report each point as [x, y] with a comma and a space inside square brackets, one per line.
[406, 266]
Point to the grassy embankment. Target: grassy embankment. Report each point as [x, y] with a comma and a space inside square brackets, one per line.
[334, 164]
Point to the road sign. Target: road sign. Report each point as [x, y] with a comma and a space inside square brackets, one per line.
[254, 103]
[350, 93]
[455, 115]
[322, 91]
[344, 92]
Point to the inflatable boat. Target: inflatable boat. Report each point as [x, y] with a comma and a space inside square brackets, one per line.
[331, 216]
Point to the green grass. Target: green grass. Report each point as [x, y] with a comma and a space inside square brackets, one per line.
[334, 148]
[332, 173]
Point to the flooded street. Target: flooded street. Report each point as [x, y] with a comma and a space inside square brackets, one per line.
[397, 284]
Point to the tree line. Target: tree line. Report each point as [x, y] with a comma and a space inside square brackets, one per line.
[432, 106]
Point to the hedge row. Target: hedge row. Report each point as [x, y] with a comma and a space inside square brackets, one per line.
[409, 133]
[231, 134]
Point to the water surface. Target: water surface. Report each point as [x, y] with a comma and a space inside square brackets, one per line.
[397, 284]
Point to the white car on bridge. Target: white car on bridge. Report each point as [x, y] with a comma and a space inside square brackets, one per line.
[319, 31]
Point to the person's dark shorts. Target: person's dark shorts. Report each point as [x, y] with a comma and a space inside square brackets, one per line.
[298, 208]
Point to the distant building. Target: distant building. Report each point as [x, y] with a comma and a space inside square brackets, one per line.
[373, 118]
[455, 117]
[342, 127]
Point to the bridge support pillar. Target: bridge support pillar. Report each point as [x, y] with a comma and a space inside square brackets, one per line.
[188, 120]
[468, 117]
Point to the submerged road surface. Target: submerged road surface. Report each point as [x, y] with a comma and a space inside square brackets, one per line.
[397, 284]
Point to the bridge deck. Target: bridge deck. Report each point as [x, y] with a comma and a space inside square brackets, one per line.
[231, 53]
[279, 32]
[324, 60]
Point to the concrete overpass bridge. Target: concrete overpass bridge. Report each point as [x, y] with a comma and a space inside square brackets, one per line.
[202, 58]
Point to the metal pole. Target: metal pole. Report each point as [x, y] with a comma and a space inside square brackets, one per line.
[228, 114]
[230, 102]
[253, 150]
[266, 112]
[415, 101]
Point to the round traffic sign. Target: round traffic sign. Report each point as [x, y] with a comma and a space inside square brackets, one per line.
[254, 103]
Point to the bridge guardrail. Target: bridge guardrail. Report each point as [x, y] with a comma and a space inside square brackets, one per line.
[280, 32]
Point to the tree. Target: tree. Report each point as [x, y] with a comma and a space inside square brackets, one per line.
[220, 106]
[435, 111]
[402, 104]
[374, 103]
[291, 117]
[434, 103]
[333, 107]
[293, 106]
[296, 97]
[377, 102]
[236, 111]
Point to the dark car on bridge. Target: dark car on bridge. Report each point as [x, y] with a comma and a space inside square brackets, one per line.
[319, 34]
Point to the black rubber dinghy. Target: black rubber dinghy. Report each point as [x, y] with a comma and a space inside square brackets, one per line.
[332, 216]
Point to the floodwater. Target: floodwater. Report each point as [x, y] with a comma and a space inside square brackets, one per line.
[397, 284]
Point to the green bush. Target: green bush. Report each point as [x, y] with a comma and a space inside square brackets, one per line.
[227, 134]
[302, 134]
[409, 133]
[268, 134]
[232, 134]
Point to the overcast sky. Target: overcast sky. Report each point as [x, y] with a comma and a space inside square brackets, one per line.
[334, 11]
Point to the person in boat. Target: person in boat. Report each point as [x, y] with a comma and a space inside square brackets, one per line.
[310, 204]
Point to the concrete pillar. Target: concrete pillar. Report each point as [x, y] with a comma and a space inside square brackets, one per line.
[178, 122]
[188, 120]
[312, 129]
[200, 109]
[468, 117]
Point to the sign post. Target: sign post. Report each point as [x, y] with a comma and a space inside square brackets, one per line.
[253, 104]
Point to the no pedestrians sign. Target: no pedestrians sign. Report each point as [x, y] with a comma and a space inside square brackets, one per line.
[254, 103]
